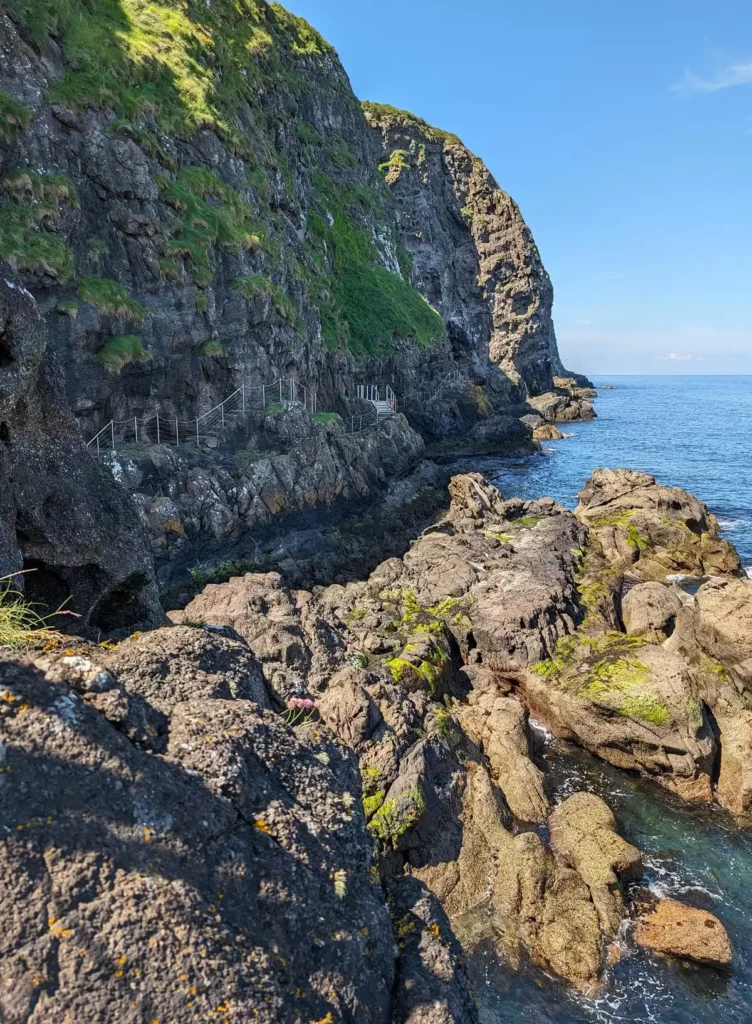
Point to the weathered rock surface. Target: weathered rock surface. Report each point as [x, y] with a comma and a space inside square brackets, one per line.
[583, 835]
[562, 407]
[632, 704]
[473, 256]
[547, 432]
[147, 886]
[675, 929]
[649, 610]
[723, 625]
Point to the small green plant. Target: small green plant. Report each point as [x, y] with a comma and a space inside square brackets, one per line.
[67, 309]
[119, 351]
[528, 522]
[26, 186]
[273, 409]
[202, 574]
[26, 237]
[398, 161]
[110, 297]
[212, 349]
[14, 116]
[358, 659]
[21, 624]
[201, 302]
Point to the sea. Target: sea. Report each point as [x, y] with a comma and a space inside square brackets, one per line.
[691, 432]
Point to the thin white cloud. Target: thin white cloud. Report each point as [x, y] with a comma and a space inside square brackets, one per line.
[675, 357]
[725, 78]
[582, 323]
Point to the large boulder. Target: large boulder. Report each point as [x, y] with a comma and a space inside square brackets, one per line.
[649, 610]
[723, 625]
[734, 785]
[674, 929]
[651, 530]
[583, 835]
[498, 726]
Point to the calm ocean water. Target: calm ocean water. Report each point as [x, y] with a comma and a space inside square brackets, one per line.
[692, 432]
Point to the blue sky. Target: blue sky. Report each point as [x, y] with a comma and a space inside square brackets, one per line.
[624, 132]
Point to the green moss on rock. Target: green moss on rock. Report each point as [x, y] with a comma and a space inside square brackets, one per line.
[14, 116]
[110, 297]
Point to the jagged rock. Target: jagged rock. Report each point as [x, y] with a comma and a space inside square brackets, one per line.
[547, 432]
[556, 407]
[734, 786]
[548, 908]
[653, 531]
[472, 498]
[136, 883]
[431, 985]
[675, 929]
[583, 835]
[169, 666]
[649, 610]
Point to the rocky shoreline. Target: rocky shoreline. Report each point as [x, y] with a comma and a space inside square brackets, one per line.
[356, 763]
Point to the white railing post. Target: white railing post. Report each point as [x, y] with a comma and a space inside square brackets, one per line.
[242, 395]
[198, 440]
[280, 389]
[157, 428]
[97, 447]
[222, 408]
[177, 435]
[135, 428]
[112, 431]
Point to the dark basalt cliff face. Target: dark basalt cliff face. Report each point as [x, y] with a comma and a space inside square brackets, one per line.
[194, 199]
[197, 201]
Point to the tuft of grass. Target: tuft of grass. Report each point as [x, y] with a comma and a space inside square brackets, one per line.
[327, 417]
[212, 348]
[207, 212]
[29, 187]
[21, 624]
[108, 296]
[67, 309]
[27, 240]
[14, 116]
[119, 351]
[398, 162]
[256, 284]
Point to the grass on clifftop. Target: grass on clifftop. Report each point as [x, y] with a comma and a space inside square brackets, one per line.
[188, 65]
[384, 115]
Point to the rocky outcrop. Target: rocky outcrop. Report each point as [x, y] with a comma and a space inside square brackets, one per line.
[653, 531]
[276, 742]
[63, 519]
[674, 929]
[473, 256]
[583, 835]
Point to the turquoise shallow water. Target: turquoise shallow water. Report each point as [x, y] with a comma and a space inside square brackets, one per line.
[693, 432]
